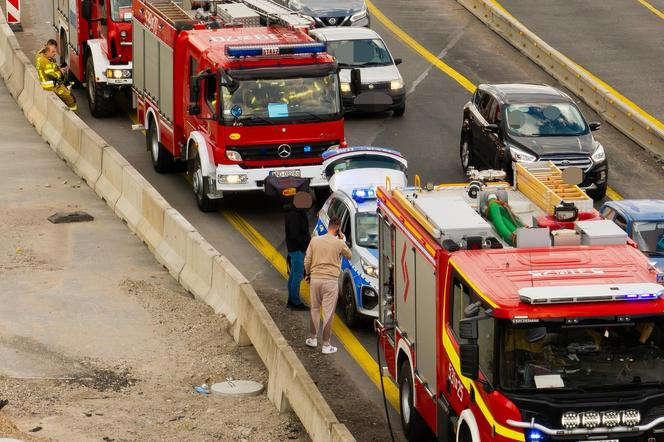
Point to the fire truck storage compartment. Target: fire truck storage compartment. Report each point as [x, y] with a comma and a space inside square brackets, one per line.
[416, 315]
[153, 68]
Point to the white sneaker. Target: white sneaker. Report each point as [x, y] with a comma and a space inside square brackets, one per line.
[311, 342]
[328, 349]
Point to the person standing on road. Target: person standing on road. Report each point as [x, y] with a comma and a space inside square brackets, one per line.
[52, 76]
[322, 264]
[297, 241]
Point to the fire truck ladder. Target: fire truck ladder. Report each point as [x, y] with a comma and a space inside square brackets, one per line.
[275, 13]
[542, 183]
[170, 11]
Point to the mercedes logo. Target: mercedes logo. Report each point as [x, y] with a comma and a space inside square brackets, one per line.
[284, 151]
[371, 86]
[332, 21]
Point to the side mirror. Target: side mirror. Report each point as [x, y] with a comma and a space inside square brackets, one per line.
[470, 361]
[398, 61]
[356, 80]
[86, 10]
[492, 128]
[468, 329]
[595, 125]
[229, 83]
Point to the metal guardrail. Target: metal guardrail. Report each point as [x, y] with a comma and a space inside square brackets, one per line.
[624, 115]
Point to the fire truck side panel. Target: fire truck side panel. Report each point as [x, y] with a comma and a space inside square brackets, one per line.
[138, 54]
[404, 287]
[425, 349]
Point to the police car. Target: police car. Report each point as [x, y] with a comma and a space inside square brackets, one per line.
[353, 174]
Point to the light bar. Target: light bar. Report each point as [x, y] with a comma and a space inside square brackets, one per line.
[360, 195]
[590, 293]
[268, 50]
[333, 152]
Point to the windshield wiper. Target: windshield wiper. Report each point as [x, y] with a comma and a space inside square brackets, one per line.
[317, 117]
[256, 117]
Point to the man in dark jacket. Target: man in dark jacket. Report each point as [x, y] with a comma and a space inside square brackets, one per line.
[297, 241]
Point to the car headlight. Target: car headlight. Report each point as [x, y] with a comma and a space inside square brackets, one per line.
[345, 87]
[368, 268]
[232, 179]
[118, 73]
[396, 84]
[233, 155]
[521, 156]
[359, 16]
[599, 154]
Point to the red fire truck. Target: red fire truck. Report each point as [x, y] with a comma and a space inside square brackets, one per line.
[95, 42]
[500, 325]
[233, 99]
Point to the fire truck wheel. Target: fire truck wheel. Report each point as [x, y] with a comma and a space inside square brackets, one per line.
[100, 105]
[412, 423]
[465, 152]
[205, 204]
[348, 302]
[162, 159]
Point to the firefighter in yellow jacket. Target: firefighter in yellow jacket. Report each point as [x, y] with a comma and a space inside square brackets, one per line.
[51, 76]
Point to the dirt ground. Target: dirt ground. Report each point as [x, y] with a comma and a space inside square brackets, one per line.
[154, 400]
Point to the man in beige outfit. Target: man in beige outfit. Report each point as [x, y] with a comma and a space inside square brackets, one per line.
[322, 264]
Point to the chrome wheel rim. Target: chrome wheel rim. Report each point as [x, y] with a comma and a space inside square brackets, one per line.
[465, 154]
[197, 182]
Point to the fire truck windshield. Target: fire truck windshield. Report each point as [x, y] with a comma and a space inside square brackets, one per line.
[121, 10]
[551, 356]
[286, 100]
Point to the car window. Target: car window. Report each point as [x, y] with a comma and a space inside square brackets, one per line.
[545, 120]
[335, 208]
[344, 216]
[607, 213]
[621, 221]
[369, 52]
[486, 104]
[477, 98]
[494, 113]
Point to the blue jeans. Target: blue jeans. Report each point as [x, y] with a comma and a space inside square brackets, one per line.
[295, 277]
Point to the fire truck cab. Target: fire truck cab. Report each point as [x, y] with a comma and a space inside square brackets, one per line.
[496, 327]
[234, 100]
[95, 41]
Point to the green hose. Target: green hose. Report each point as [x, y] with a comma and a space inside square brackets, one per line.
[503, 220]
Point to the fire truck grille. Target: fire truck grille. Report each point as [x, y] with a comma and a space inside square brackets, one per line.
[564, 161]
[290, 151]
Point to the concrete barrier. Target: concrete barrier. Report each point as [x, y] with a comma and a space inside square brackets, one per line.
[109, 184]
[151, 225]
[227, 282]
[55, 120]
[17, 75]
[172, 252]
[27, 97]
[69, 148]
[37, 115]
[89, 163]
[635, 123]
[196, 276]
[174, 242]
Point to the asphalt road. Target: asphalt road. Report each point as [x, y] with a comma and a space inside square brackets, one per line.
[620, 41]
[428, 135]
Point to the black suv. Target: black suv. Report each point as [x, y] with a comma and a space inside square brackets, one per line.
[504, 123]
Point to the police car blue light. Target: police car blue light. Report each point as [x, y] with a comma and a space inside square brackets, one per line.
[360, 195]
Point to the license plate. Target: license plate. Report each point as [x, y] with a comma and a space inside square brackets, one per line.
[286, 173]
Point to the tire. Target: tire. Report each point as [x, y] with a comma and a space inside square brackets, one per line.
[466, 152]
[100, 106]
[400, 110]
[464, 434]
[599, 193]
[413, 425]
[205, 203]
[162, 159]
[348, 303]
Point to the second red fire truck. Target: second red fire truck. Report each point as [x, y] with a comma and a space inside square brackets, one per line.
[234, 98]
[506, 315]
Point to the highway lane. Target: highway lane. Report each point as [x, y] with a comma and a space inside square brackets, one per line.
[427, 134]
[619, 41]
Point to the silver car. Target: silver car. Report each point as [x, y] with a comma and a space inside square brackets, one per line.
[370, 79]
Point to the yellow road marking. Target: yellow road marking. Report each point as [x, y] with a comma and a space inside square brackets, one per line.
[653, 9]
[417, 47]
[343, 333]
[613, 195]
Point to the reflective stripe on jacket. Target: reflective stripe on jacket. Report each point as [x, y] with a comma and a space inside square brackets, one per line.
[49, 72]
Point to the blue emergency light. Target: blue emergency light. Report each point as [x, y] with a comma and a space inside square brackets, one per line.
[360, 195]
[534, 436]
[267, 50]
